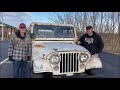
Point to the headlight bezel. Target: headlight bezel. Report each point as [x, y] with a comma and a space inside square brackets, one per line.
[82, 57]
[54, 55]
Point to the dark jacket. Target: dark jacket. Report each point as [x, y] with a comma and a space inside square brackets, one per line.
[93, 43]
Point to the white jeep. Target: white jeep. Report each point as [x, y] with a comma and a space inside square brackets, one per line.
[54, 51]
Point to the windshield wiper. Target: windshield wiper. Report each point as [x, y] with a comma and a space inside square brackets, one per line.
[59, 35]
[40, 34]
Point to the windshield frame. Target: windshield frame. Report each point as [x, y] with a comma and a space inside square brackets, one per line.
[54, 38]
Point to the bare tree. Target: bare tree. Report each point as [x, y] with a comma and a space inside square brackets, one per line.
[107, 24]
[119, 23]
[101, 22]
[119, 31]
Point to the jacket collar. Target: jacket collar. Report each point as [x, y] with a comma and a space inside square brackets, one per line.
[19, 35]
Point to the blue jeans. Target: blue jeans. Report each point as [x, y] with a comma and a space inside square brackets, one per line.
[19, 69]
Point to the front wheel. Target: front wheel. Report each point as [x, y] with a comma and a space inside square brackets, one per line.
[41, 75]
[36, 75]
[96, 72]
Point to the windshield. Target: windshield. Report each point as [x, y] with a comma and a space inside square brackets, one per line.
[50, 31]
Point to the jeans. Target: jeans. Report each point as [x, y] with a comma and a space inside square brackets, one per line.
[19, 69]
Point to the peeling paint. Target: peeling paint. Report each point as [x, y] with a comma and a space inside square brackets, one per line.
[39, 46]
[42, 47]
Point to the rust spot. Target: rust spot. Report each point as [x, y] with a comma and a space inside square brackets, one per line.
[39, 46]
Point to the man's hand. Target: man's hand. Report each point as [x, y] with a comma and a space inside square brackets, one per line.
[10, 58]
[28, 58]
[77, 41]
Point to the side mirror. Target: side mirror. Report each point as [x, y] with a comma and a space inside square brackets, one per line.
[32, 35]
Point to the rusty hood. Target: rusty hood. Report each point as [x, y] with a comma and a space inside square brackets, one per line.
[46, 48]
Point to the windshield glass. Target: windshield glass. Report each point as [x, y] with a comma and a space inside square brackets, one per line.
[50, 31]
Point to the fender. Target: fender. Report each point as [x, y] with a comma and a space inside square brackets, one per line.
[94, 62]
[40, 66]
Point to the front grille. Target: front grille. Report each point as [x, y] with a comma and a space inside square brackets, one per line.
[69, 62]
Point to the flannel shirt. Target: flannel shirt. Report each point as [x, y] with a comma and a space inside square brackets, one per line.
[19, 49]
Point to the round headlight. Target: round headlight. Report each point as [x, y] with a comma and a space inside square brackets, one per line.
[54, 59]
[83, 57]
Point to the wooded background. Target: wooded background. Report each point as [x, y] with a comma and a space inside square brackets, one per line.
[106, 24]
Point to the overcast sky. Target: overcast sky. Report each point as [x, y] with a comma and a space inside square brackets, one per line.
[15, 18]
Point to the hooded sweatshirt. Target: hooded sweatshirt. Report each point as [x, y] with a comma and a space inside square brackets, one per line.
[93, 43]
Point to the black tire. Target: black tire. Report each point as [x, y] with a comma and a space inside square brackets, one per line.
[95, 73]
[47, 75]
[89, 72]
[41, 75]
[57, 76]
[36, 75]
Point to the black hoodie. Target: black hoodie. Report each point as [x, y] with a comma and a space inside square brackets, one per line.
[93, 43]
[19, 35]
